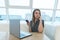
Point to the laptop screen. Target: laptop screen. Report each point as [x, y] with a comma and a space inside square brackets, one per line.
[15, 27]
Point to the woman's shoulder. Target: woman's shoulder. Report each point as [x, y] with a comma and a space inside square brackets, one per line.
[38, 21]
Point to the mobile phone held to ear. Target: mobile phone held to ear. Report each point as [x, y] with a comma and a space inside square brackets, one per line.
[39, 18]
[27, 21]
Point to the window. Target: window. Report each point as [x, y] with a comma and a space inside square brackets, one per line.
[20, 12]
[43, 4]
[58, 7]
[46, 15]
[3, 14]
[57, 16]
[2, 3]
[2, 11]
[19, 2]
[57, 13]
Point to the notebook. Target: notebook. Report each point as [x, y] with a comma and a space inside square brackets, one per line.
[15, 29]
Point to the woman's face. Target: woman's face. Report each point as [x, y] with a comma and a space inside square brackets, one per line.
[36, 14]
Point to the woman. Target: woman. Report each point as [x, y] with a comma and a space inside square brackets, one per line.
[36, 25]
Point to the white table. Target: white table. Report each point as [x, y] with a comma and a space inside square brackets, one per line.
[3, 36]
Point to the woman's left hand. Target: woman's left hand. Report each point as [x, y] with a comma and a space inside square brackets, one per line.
[40, 18]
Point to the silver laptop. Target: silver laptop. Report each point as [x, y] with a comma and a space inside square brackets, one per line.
[15, 29]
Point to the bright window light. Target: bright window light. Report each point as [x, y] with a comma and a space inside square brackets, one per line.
[2, 3]
[47, 12]
[58, 7]
[46, 15]
[2, 11]
[21, 12]
[57, 14]
[19, 2]
[43, 4]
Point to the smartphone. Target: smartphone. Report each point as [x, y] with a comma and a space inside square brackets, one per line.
[27, 21]
[39, 18]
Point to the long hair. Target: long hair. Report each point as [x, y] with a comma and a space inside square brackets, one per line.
[33, 17]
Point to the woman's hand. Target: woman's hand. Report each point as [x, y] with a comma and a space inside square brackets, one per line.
[28, 23]
[40, 18]
[40, 28]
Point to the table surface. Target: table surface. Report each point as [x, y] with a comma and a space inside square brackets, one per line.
[35, 36]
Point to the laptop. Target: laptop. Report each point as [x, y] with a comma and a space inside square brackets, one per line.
[15, 29]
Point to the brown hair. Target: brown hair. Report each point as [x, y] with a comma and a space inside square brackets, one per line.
[33, 17]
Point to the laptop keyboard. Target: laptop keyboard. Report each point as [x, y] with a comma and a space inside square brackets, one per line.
[24, 34]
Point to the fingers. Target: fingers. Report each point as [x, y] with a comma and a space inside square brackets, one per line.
[40, 18]
[28, 23]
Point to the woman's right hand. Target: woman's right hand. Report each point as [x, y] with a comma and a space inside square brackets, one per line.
[28, 23]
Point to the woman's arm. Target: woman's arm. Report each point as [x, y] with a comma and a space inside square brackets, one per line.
[40, 27]
[29, 26]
